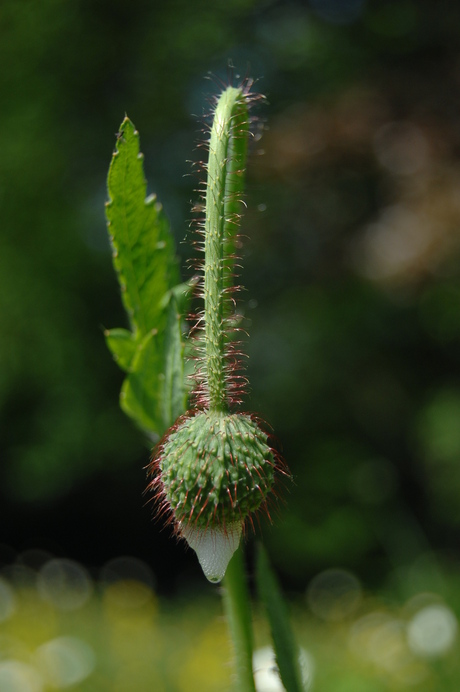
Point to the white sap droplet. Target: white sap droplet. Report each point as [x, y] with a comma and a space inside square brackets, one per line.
[214, 547]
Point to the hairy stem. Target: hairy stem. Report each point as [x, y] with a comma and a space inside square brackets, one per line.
[226, 164]
[224, 188]
[238, 611]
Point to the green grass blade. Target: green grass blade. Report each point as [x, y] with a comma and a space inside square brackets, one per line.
[143, 248]
[286, 649]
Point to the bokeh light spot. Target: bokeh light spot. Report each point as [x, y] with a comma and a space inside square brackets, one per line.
[266, 673]
[65, 661]
[334, 594]
[432, 631]
[127, 594]
[16, 676]
[127, 568]
[65, 584]
[129, 584]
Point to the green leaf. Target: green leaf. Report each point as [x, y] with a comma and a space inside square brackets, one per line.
[140, 392]
[123, 346]
[153, 393]
[286, 649]
[151, 354]
[182, 294]
[143, 248]
[173, 391]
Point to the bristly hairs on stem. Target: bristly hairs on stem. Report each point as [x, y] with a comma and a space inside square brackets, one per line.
[219, 382]
[216, 466]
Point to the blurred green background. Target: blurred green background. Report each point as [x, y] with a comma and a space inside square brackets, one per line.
[352, 270]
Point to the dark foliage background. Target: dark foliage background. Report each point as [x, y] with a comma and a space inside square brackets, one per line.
[352, 266]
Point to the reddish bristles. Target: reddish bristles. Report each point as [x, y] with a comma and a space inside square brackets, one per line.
[236, 383]
[193, 506]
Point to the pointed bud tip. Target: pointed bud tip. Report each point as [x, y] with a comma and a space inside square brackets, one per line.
[214, 547]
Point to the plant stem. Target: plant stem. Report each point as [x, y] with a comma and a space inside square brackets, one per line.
[238, 611]
[227, 156]
[224, 189]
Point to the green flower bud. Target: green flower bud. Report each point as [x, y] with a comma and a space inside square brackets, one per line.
[213, 469]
